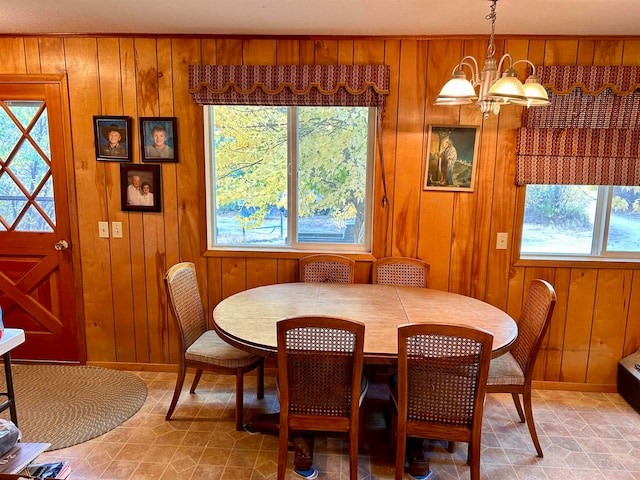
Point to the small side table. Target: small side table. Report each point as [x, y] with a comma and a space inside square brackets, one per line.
[11, 338]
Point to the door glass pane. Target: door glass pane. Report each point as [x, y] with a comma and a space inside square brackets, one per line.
[33, 221]
[28, 167]
[25, 168]
[559, 219]
[24, 110]
[624, 222]
[332, 174]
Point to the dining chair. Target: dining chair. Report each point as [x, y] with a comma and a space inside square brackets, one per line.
[512, 372]
[327, 269]
[202, 348]
[320, 380]
[404, 271]
[440, 388]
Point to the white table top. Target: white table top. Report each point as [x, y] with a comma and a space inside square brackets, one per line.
[248, 319]
[11, 338]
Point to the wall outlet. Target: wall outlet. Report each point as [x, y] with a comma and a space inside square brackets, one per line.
[501, 242]
[116, 229]
[103, 229]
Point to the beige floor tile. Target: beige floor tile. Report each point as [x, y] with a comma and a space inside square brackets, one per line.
[588, 435]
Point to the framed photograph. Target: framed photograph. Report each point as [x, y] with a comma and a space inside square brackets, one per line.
[451, 158]
[159, 139]
[112, 138]
[140, 187]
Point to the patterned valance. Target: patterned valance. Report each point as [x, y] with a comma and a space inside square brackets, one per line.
[311, 85]
[592, 80]
[574, 156]
[589, 134]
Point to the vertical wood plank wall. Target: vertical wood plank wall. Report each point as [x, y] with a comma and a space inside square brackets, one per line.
[597, 318]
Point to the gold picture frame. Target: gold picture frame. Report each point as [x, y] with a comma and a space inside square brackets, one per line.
[451, 158]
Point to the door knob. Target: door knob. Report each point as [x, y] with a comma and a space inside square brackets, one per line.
[61, 245]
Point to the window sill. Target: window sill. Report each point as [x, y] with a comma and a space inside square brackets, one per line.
[587, 262]
[284, 253]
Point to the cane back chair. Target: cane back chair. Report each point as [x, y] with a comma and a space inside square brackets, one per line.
[441, 381]
[201, 348]
[327, 269]
[404, 271]
[512, 372]
[320, 380]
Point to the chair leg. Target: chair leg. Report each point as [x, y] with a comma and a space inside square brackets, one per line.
[196, 380]
[239, 398]
[530, 423]
[260, 381]
[283, 448]
[182, 370]
[353, 452]
[516, 402]
[401, 443]
[473, 459]
[451, 446]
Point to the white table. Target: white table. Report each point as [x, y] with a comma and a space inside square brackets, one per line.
[11, 338]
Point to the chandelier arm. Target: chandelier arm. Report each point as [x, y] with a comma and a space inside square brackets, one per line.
[530, 63]
[502, 59]
[473, 67]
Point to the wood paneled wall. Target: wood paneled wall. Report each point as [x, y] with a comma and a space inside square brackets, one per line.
[596, 320]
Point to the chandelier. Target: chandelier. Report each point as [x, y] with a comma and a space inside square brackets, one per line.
[495, 87]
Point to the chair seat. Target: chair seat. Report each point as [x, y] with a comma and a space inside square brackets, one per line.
[210, 348]
[504, 370]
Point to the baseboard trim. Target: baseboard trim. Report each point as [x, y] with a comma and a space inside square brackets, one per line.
[271, 370]
[574, 387]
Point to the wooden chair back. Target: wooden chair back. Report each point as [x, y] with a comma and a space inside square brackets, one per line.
[319, 373]
[442, 376]
[403, 271]
[327, 269]
[181, 285]
[533, 323]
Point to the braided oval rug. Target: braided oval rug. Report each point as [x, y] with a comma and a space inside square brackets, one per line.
[66, 405]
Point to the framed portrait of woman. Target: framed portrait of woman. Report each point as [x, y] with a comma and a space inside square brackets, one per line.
[159, 139]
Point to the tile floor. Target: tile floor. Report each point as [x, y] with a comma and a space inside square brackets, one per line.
[584, 436]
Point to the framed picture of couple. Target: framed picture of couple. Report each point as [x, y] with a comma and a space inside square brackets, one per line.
[451, 158]
[159, 139]
[140, 187]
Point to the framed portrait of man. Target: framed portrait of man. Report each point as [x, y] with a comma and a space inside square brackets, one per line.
[159, 139]
[451, 158]
[112, 138]
[140, 188]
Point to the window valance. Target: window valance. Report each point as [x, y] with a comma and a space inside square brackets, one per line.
[589, 134]
[574, 156]
[311, 85]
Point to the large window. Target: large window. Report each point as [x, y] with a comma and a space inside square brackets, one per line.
[289, 177]
[581, 221]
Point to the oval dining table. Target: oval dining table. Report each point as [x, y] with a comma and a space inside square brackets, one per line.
[248, 320]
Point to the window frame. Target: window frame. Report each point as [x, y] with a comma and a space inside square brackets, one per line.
[610, 260]
[295, 248]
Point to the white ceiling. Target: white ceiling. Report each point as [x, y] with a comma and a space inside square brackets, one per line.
[320, 17]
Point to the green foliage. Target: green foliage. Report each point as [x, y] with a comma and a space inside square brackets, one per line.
[562, 206]
[251, 161]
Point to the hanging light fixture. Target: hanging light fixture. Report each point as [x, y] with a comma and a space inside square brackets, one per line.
[495, 87]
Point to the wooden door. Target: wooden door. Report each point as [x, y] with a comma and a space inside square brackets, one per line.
[36, 267]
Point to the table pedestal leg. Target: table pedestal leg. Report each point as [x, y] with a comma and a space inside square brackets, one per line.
[269, 423]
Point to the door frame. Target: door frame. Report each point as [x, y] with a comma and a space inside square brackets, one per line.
[65, 112]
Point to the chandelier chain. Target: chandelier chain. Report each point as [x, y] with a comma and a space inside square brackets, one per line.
[491, 49]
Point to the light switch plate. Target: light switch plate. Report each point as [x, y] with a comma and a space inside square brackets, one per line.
[116, 229]
[103, 229]
[501, 241]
